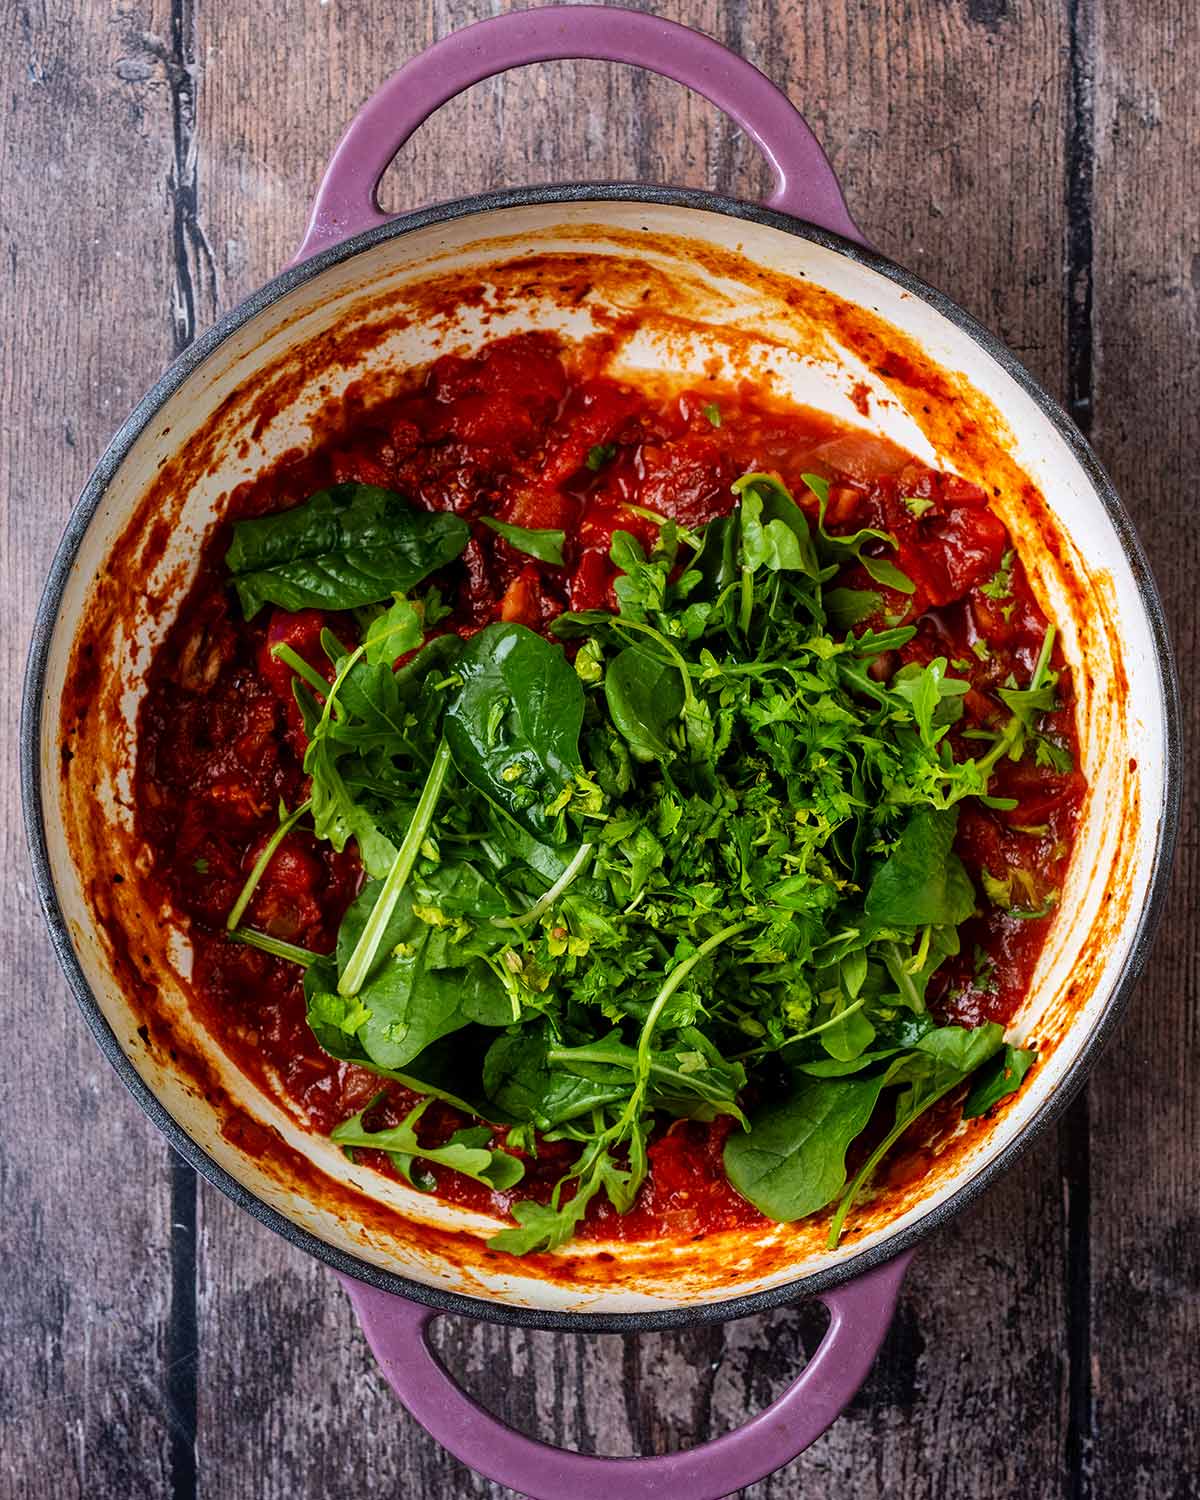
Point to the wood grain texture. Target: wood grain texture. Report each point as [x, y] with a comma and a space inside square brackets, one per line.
[1144, 1101]
[1036, 161]
[85, 1180]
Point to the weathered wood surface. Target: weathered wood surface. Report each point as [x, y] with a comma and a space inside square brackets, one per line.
[1144, 1103]
[1038, 161]
[85, 1184]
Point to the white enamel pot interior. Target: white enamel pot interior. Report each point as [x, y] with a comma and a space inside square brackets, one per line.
[716, 285]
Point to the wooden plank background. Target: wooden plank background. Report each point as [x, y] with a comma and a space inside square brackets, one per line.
[1039, 160]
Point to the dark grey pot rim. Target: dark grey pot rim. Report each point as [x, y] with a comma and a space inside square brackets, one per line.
[498, 1312]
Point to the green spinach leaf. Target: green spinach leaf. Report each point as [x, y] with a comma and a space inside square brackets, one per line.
[792, 1160]
[413, 993]
[645, 699]
[347, 546]
[999, 1078]
[943, 1059]
[922, 882]
[513, 727]
[520, 1081]
[544, 544]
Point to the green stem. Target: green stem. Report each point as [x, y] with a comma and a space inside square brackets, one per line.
[567, 1056]
[360, 961]
[1043, 660]
[895, 966]
[746, 609]
[276, 947]
[334, 688]
[672, 982]
[238, 910]
[824, 1026]
[545, 901]
[689, 538]
[872, 1161]
[585, 1054]
[622, 622]
[507, 980]
[290, 658]
[745, 669]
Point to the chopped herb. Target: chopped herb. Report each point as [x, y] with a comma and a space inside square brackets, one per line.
[918, 505]
[598, 456]
[998, 890]
[1027, 914]
[1002, 893]
[999, 586]
[713, 414]
[984, 977]
[1051, 756]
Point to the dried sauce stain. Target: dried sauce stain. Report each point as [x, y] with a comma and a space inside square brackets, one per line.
[620, 291]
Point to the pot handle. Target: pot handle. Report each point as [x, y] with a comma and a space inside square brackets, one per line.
[347, 204]
[859, 1315]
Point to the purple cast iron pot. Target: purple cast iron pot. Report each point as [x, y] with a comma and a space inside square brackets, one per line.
[1123, 831]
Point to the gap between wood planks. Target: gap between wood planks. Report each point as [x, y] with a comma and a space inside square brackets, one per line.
[192, 267]
[1075, 1135]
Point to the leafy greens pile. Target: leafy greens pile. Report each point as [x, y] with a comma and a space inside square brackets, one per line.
[702, 855]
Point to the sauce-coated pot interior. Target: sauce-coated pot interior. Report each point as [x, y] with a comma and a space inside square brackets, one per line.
[714, 294]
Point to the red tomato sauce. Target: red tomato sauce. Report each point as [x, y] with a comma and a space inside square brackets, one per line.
[509, 433]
